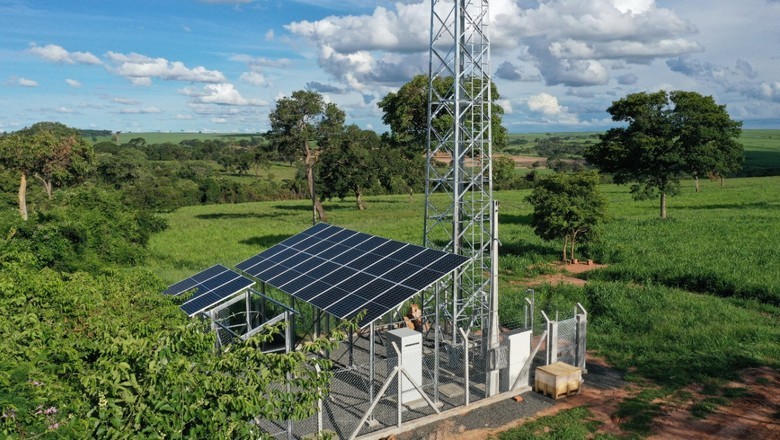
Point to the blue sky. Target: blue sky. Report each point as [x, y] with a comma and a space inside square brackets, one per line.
[219, 65]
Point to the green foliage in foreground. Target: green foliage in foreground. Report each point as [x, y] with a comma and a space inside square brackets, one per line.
[103, 356]
[90, 348]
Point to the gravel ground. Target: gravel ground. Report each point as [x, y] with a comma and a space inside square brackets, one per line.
[507, 411]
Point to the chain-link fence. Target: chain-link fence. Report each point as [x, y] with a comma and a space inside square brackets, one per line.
[370, 396]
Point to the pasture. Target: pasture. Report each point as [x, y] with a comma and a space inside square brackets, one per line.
[692, 301]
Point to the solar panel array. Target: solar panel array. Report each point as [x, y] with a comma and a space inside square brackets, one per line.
[209, 287]
[344, 272]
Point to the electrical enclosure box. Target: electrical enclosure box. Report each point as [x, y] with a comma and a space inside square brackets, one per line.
[409, 343]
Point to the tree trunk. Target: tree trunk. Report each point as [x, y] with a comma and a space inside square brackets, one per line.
[573, 244]
[565, 242]
[23, 196]
[47, 185]
[663, 205]
[359, 199]
[722, 181]
[316, 207]
[696, 179]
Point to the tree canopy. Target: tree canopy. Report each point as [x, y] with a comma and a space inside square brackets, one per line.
[567, 206]
[349, 165]
[406, 112]
[668, 136]
[49, 151]
[299, 124]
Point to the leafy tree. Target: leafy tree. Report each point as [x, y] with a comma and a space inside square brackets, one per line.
[122, 168]
[567, 207]
[48, 151]
[349, 165]
[708, 135]
[298, 125]
[667, 137]
[406, 112]
[504, 176]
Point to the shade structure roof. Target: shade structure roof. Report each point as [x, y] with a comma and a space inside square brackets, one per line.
[344, 272]
[209, 288]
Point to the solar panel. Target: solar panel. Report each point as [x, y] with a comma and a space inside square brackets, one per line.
[208, 288]
[345, 272]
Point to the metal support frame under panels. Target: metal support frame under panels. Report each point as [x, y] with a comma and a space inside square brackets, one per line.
[459, 187]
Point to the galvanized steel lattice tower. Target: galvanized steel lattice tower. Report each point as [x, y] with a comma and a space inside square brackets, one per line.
[459, 188]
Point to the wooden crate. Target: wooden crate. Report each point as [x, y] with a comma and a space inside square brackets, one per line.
[558, 380]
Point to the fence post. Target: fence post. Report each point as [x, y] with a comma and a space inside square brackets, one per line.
[399, 391]
[552, 340]
[582, 332]
[465, 363]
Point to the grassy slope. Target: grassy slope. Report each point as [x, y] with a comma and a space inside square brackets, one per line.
[677, 303]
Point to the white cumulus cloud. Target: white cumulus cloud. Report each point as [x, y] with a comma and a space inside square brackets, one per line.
[544, 103]
[73, 83]
[58, 54]
[255, 78]
[141, 69]
[220, 94]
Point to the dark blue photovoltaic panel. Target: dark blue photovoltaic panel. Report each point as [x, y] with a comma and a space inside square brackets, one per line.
[319, 248]
[364, 262]
[374, 311]
[388, 248]
[346, 306]
[339, 236]
[209, 273]
[380, 267]
[332, 252]
[375, 288]
[181, 287]
[425, 257]
[305, 244]
[348, 256]
[355, 282]
[312, 290]
[193, 281]
[422, 279]
[329, 297]
[210, 287]
[395, 297]
[445, 263]
[293, 240]
[338, 275]
[296, 284]
[232, 287]
[284, 277]
[296, 260]
[248, 264]
[283, 255]
[370, 244]
[401, 272]
[322, 230]
[356, 239]
[343, 272]
[323, 270]
[214, 282]
[406, 253]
